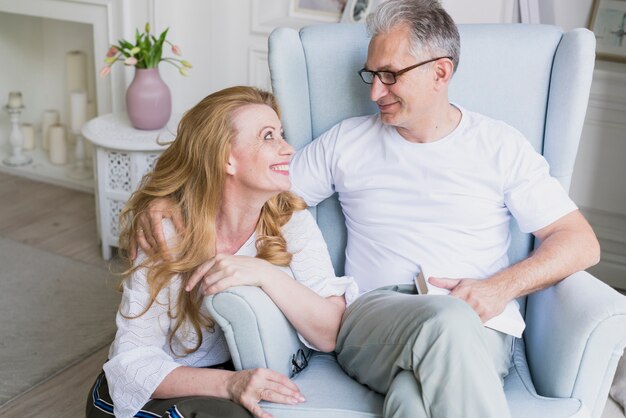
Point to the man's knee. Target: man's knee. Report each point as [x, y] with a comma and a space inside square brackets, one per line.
[452, 316]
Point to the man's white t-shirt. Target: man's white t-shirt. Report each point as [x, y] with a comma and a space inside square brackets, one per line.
[444, 205]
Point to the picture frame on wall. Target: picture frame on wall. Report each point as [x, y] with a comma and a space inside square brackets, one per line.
[357, 10]
[323, 10]
[608, 23]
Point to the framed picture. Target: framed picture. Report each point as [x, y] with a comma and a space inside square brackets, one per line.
[356, 10]
[325, 10]
[608, 23]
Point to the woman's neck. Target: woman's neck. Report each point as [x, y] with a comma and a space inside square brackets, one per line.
[235, 223]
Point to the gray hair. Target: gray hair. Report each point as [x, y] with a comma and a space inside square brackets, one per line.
[433, 32]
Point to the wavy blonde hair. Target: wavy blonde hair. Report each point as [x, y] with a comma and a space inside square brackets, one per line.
[191, 172]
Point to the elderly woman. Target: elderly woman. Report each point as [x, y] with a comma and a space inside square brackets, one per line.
[228, 173]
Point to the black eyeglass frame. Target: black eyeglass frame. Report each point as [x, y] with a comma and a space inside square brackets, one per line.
[394, 74]
[299, 361]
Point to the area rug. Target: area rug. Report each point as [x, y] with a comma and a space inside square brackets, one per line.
[54, 311]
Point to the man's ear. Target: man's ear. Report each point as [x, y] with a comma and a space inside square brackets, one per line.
[231, 166]
[444, 68]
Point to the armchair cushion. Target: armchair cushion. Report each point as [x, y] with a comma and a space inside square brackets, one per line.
[575, 334]
[257, 333]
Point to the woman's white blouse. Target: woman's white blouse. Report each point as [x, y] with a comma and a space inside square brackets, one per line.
[140, 356]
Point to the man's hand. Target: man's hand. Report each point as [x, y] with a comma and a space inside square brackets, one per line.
[149, 234]
[224, 271]
[249, 387]
[482, 295]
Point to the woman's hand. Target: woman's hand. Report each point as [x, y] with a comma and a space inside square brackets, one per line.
[249, 387]
[224, 271]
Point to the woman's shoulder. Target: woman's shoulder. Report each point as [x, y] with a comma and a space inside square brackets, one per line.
[299, 218]
[301, 229]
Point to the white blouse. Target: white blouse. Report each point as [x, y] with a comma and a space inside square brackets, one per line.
[140, 356]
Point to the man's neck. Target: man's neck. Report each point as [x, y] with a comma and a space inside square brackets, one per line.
[434, 126]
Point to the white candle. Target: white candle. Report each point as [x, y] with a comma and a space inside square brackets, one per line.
[78, 110]
[58, 145]
[28, 136]
[76, 70]
[50, 117]
[15, 99]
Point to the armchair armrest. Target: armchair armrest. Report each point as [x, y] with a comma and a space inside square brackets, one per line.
[575, 335]
[256, 331]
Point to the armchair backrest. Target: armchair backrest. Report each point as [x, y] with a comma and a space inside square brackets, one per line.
[534, 77]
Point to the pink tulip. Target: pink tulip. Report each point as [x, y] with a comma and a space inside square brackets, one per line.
[130, 61]
[112, 51]
[176, 50]
[105, 70]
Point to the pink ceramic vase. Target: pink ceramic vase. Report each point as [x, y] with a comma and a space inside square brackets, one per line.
[148, 100]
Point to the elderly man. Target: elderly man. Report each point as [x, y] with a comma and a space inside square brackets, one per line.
[428, 189]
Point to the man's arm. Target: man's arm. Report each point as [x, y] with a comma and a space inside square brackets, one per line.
[567, 245]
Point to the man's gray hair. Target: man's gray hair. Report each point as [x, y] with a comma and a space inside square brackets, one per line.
[433, 32]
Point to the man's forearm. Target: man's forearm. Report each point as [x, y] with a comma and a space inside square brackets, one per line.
[567, 246]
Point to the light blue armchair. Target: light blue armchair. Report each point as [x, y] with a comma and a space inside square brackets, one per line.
[534, 77]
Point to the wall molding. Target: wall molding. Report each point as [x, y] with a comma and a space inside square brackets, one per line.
[258, 69]
[268, 15]
[607, 100]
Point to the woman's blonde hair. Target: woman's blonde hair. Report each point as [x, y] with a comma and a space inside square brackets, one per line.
[191, 172]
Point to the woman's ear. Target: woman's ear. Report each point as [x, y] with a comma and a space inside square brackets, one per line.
[231, 168]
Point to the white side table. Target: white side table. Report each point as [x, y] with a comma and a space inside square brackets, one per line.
[123, 155]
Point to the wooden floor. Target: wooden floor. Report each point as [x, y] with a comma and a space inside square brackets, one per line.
[51, 218]
[63, 221]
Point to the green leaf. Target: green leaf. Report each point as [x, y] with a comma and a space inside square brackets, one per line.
[148, 50]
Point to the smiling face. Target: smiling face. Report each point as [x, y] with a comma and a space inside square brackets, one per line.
[259, 158]
[402, 103]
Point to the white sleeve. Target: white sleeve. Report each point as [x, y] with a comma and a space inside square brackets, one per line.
[138, 362]
[532, 195]
[311, 264]
[311, 170]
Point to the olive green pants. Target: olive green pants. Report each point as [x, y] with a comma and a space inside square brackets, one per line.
[430, 355]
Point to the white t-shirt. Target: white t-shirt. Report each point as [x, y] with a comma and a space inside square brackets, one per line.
[444, 205]
[140, 356]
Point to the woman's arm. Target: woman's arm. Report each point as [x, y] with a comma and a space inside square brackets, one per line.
[140, 369]
[246, 387]
[137, 361]
[314, 303]
[316, 318]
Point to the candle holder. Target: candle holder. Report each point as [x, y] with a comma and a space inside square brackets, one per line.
[77, 169]
[15, 139]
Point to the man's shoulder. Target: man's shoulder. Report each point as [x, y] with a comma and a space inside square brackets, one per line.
[487, 128]
[483, 120]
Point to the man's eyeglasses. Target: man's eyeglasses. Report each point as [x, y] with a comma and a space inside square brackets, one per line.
[299, 361]
[390, 77]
